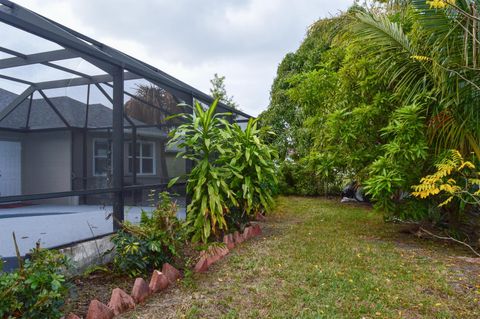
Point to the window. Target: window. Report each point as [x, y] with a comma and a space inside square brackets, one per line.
[101, 156]
[145, 158]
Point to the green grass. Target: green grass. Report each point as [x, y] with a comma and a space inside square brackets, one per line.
[322, 259]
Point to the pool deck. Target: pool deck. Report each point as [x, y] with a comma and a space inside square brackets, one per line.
[56, 225]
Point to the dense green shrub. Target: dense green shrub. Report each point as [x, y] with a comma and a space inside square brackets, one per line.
[38, 289]
[328, 104]
[147, 246]
[404, 159]
[376, 95]
[313, 175]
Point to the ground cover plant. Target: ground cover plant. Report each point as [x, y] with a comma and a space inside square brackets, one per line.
[319, 259]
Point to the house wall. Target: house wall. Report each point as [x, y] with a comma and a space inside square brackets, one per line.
[5, 183]
[77, 160]
[175, 166]
[46, 165]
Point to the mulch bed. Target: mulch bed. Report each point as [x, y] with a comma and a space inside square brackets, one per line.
[97, 285]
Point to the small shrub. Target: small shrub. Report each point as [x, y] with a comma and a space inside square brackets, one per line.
[455, 178]
[144, 247]
[236, 219]
[38, 290]
[188, 279]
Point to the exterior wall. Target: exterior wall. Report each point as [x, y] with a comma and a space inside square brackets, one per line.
[175, 166]
[77, 160]
[11, 137]
[47, 165]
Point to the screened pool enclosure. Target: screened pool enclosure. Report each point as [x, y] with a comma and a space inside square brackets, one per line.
[83, 133]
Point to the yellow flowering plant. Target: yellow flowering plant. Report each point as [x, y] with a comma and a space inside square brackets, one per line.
[455, 178]
[440, 4]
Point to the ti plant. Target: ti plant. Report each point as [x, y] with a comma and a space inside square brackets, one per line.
[203, 138]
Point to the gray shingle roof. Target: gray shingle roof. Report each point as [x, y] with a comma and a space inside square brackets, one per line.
[43, 116]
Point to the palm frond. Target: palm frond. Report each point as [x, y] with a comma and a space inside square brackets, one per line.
[408, 74]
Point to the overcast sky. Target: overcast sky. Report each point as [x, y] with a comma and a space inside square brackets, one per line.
[244, 40]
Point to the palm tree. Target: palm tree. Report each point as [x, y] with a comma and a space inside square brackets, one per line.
[152, 105]
[432, 58]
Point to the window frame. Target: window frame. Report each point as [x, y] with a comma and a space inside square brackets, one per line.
[140, 158]
[94, 156]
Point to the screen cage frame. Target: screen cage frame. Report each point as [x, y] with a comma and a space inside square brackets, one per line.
[117, 67]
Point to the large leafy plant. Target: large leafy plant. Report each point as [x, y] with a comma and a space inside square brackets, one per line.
[234, 175]
[204, 138]
[434, 53]
[252, 164]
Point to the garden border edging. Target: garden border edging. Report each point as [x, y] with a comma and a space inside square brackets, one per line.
[121, 302]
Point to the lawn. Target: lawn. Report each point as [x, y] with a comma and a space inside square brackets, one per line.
[318, 258]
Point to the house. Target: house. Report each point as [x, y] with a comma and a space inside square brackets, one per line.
[68, 161]
[48, 157]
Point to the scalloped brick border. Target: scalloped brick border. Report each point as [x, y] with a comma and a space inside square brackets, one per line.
[230, 240]
[161, 280]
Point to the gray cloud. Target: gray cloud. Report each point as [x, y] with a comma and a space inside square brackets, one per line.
[191, 39]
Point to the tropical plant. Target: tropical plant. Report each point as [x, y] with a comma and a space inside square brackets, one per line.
[152, 105]
[204, 138]
[392, 173]
[148, 245]
[252, 164]
[233, 176]
[36, 290]
[434, 57]
[376, 95]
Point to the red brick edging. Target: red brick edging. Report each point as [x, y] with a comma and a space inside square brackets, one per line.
[121, 302]
[214, 254]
